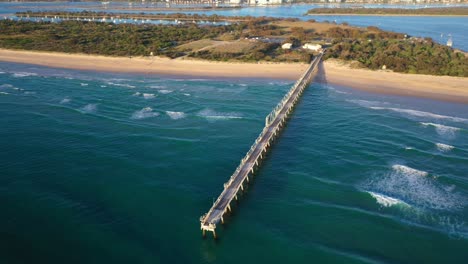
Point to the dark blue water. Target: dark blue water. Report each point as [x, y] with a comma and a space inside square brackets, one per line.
[115, 168]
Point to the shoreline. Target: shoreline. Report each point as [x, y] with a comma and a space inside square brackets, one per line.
[156, 65]
[445, 88]
[389, 15]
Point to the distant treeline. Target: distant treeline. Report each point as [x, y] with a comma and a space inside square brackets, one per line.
[442, 11]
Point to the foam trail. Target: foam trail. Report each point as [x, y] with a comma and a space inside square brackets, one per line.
[165, 91]
[122, 85]
[148, 96]
[417, 113]
[65, 100]
[23, 74]
[411, 186]
[386, 201]
[5, 93]
[6, 85]
[444, 147]
[175, 115]
[89, 108]
[408, 171]
[212, 115]
[144, 113]
[442, 130]
[83, 84]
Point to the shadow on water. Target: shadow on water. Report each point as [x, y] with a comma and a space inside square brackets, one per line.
[321, 76]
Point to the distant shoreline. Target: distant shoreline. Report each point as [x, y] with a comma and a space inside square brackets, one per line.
[389, 15]
[453, 89]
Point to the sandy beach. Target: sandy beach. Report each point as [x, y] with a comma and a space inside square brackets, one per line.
[154, 65]
[454, 89]
[446, 88]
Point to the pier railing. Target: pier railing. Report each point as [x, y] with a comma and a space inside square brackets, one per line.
[273, 122]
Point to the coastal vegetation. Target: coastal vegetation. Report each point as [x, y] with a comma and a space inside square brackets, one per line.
[433, 11]
[245, 39]
[376, 49]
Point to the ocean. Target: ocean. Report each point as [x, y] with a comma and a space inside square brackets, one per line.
[118, 168]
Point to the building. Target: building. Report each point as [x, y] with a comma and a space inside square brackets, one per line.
[286, 46]
[312, 47]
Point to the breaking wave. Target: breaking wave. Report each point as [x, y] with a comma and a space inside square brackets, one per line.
[148, 96]
[23, 74]
[175, 115]
[6, 85]
[89, 108]
[165, 91]
[417, 113]
[443, 130]
[213, 115]
[65, 100]
[144, 113]
[386, 201]
[408, 171]
[121, 85]
[83, 84]
[414, 188]
[444, 147]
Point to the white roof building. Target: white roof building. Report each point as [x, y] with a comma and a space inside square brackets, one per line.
[286, 46]
[313, 47]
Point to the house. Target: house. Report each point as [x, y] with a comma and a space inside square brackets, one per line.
[286, 46]
[312, 47]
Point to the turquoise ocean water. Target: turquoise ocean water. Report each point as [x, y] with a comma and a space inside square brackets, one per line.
[115, 168]
[118, 168]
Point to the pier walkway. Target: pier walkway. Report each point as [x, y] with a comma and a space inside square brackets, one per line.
[273, 124]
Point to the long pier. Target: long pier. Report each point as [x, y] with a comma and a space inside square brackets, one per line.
[273, 124]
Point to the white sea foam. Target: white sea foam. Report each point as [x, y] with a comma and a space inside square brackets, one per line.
[103, 86]
[442, 129]
[2, 72]
[386, 201]
[148, 96]
[409, 148]
[144, 113]
[364, 103]
[175, 115]
[158, 86]
[65, 101]
[423, 114]
[414, 187]
[186, 94]
[83, 84]
[89, 108]
[137, 94]
[444, 147]
[5, 93]
[23, 74]
[165, 91]
[243, 84]
[121, 85]
[6, 85]
[213, 115]
[405, 170]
